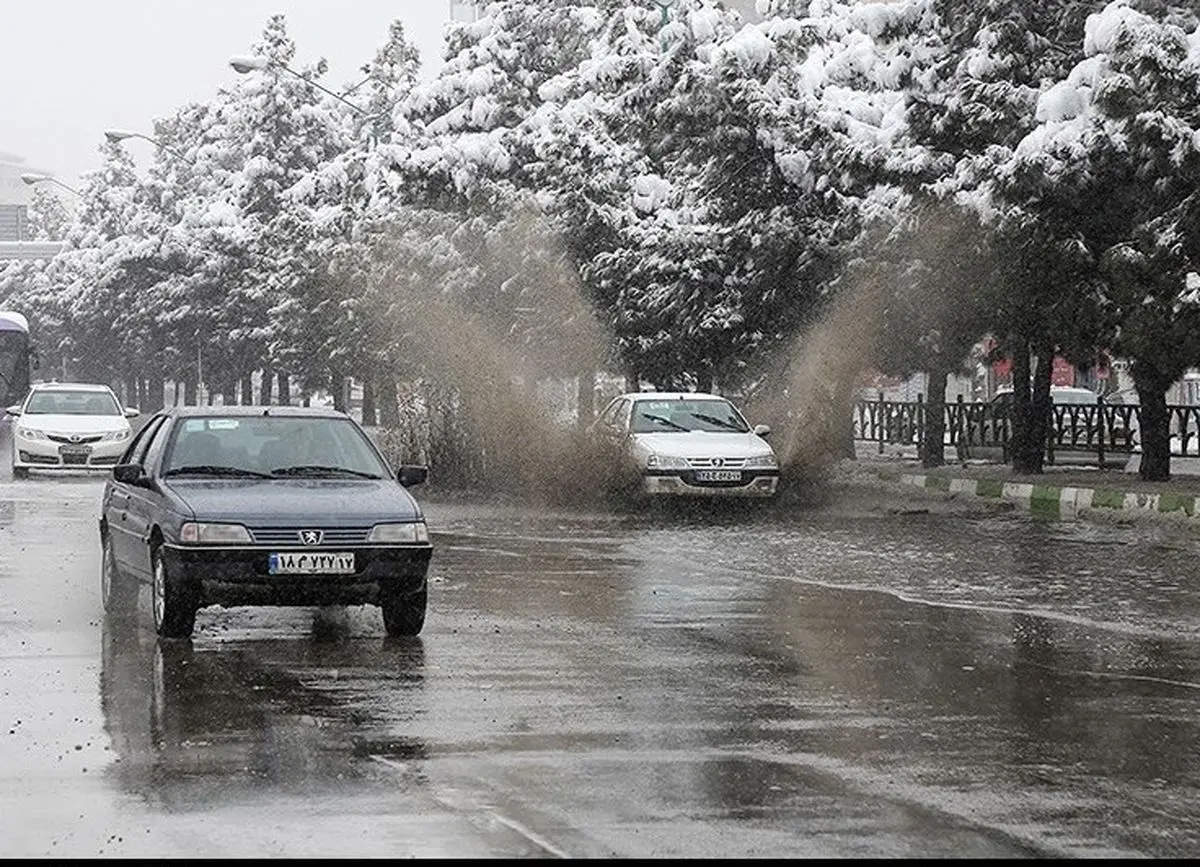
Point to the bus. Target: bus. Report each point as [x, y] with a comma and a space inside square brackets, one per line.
[16, 356]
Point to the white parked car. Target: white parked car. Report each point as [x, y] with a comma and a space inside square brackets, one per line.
[689, 444]
[68, 426]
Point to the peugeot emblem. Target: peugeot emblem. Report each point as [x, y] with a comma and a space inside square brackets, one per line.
[311, 537]
[718, 462]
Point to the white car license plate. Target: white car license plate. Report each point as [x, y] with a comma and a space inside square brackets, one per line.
[312, 563]
[718, 475]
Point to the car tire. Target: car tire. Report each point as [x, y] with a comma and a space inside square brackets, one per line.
[20, 472]
[404, 613]
[174, 601]
[117, 590]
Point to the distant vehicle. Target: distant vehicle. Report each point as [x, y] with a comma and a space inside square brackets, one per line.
[68, 426]
[695, 444]
[262, 506]
[1058, 394]
[16, 357]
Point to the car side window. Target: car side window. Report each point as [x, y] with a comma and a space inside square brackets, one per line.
[136, 452]
[156, 444]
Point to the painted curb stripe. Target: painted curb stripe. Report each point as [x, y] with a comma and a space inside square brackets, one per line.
[1046, 500]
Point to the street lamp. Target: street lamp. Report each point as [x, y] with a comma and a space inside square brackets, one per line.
[244, 65]
[119, 135]
[32, 179]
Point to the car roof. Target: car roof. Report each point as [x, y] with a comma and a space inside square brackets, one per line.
[70, 386]
[249, 411]
[670, 395]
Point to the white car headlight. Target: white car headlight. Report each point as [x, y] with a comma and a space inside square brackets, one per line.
[115, 436]
[413, 531]
[666, 462]
[213, 534]
[769, 461]
[30, 433]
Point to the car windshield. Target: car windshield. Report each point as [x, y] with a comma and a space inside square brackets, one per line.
[271, 446]
[63, 402]
[684, 416]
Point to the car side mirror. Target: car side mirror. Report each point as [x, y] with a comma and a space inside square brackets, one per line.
[13, 410]
[409, 476]
[130, 474]
[762, 429]
[132, 412]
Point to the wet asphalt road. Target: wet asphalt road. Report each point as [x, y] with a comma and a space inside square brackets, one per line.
[861, 678]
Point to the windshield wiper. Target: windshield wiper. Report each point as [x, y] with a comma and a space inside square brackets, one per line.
[213, 470]
[663, 420]
[720, 422]
[318, 470]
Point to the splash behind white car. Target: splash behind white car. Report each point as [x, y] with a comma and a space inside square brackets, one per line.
[68, 426]
[690, 444]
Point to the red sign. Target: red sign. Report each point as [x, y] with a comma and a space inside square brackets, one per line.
[1062, 372]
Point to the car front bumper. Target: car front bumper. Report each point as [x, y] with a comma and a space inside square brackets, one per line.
[231, 576]
[42, 454]
[751, 483]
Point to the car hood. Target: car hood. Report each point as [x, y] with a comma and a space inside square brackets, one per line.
[73, 423]
[702, 444]
[284, 501]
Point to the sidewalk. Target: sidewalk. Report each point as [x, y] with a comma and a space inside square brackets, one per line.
[1063, 491]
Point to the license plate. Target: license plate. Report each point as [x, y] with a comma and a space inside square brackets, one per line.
[311, 563]
[74, 450]
[718, 475]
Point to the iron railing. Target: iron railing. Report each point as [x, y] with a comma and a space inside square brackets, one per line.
[1102, 429]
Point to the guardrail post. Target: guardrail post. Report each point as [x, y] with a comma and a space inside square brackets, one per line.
[1100, 420]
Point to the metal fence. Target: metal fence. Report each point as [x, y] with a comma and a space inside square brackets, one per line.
[1101, 429]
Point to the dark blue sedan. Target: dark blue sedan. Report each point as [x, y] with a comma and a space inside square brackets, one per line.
[266, 505]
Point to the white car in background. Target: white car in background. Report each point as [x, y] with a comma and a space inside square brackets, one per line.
[689, 444]
[68, 426]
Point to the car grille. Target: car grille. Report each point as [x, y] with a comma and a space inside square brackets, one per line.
[716, 463]
[61, 438]
[291, 535]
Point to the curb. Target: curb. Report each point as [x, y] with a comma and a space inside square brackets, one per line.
[1057, 502]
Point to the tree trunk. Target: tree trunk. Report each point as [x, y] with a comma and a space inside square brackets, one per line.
[389, 402]
[266, 386]
[1030, 410]
[247, 389]
[368, 407]
[191, 395]
[585, 398]
[933, 449]
[1155, 423]
[285, 391]
[337, 385]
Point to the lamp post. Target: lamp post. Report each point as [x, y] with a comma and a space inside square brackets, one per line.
[244, 65]
[31, 179]
[119, 135]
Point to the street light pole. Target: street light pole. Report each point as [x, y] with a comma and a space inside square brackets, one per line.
[118, 135]
[31, 179]
[244, 65]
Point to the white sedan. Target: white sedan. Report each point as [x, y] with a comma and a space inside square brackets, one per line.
[68, 426]
[689, 444]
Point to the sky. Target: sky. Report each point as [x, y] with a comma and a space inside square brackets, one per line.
[70, 69]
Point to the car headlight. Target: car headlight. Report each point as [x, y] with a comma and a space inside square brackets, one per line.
[30, 433]
[197, 533]
[768, 461]
[666, 462]
[115, 436]
[413, 531]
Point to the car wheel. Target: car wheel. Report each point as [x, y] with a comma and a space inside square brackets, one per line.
[174, 602]
[20, 472]
[117, 590]
[404, 614]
